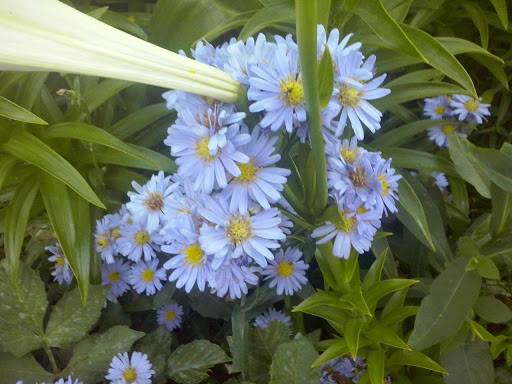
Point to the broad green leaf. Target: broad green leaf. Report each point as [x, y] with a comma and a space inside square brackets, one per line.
[325, 78]
[471, 362]
[16, 220]
[398, 315]
[92, 356]
[481, 332]
[409, 204]
[382, 334]
[13, 111]
[487, 268]
[157, 345]
[94, 97]
[501, 9]
[440, 58]
[375, 272]
[385, 287]
[375, 368]
[373, 13]
[478, 17]
[267, 16]
[233, 23]
[496, 164]
[416, 359]
[401, 135]
[441, 314]
[337, 349]
[7, 164]
[189, 363]
[292, 363]
[138, 120]
[492, 310]
[22, 306]
[14, 369]
[92, 134]
[29, 148]
[67, 222]
[501, 210]
[351, 333]
[70, 320]
[468, 166]
[417, 76]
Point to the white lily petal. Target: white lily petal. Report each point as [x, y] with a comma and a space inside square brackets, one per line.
[47, 35]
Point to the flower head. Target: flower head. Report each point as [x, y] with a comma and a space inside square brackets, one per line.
[437, 108]
[108, 230]
[439, 134]
[343, 370]
[440, 180]
[136, 241]
[61, 271]
[134, 369]
[469, 109]
[233, 278]
[146, 277]
[68, 380]
[332, 42]
[115, 276]
[170, 316]
[272, 315]
[286, 272]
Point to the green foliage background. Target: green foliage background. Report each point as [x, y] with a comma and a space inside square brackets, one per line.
[436, 300]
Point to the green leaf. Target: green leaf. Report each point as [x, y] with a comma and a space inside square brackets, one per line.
[385, 287]
[382, 334]
[501, 9]
[92, 134]
[69, 216]
[351, 332]
[501, 210]
[336, 349]
[325, 78]
[441, 314]
[95, 96]
[13, 111]
[375, 363]
[478, 17]
[481, 332]
[189, 363]
[138, 120]
[468, 166]
[29, 148]
[22, 306]
[471, 362]
[16, 220]
[440, 58]
[25, 368]
[409, 204]
[493, 310]
[416, 359]
[70, 320]
[397, 136]
[424, 161]
[374, 274]
[292, 363]
[92, 356]
[157, 345]
[267, 16]
[486, 268]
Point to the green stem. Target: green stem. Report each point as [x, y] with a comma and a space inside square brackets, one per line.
[51, 357]
[306, 11]
[240, 331]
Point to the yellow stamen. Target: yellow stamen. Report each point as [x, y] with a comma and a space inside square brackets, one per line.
[349, 96]
[284, 269]
[384, 184]
[239, 230]
[142, 238]
[147, 276]
[102, 242]
[472, 105]
[154, 202]
[248, 172]
[193, 254]
[170, 315]
[60, 261]
[292, 92]
[202, 150]
[447, 129]
[130, 375]
[114, 277]
[349, 155]
[345, 223]
[440, 110]
[115, 233]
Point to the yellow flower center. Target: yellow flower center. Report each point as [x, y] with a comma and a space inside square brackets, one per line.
[384, 184]
[440, 110]
[147, 275]
[141, 238]
[154, 202]
[447, 129]
[130, 375]
[170, 315]
[202, 150]
[361, 210]
[248, 172]
[102, 242]
[292, 92]
[239, 230]
[114, 277]
[349, 96]
[284, 269]
[472, 105]
[358, 177]
[193, 254]
[349, 155]
[345, 223]
[115, 233]
[60, 261]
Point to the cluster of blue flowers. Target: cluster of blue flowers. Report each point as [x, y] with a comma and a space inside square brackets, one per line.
[343, 370]
[461, 108]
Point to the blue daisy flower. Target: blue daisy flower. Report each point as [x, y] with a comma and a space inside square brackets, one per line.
[61, 271]
[388, 181]
[440, 180]
[68, 380]
[232, 235]
[126, 369]
[115, 276]
[233, 278]
[287, 272]
[136, 241]
[108, 230]
[170, 316]
[272, 315]
[439, 134]
[469, 109]
[259, 181]
[437, 108]
[345, 369]
[333, 43]
[146, 277]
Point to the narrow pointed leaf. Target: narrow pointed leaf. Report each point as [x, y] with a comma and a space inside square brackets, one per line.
[13, 111]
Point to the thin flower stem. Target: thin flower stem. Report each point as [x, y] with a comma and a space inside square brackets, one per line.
[51, 358]
[306, 36]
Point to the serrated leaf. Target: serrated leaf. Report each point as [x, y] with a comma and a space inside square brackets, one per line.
[189, 363]
[471, 362]
[325, 78]
[492, 310]
[92, 356]
[441, 314]
[23, 305]
[13, 111]
[13, 369]
[70, 320]
[292, 363]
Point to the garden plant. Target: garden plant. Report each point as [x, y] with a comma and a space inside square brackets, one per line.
[255, 191]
